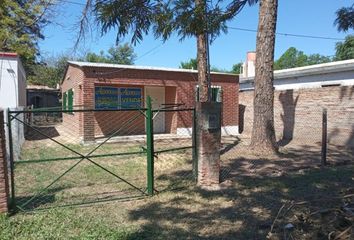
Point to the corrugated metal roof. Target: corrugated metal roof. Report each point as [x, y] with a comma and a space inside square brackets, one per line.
[41, 87]
[8, 54]
[323, 68]
[121, 66]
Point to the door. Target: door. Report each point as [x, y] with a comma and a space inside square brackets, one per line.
[157, 95]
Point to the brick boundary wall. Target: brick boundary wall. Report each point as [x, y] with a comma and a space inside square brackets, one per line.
[4, 186]
[298, 114]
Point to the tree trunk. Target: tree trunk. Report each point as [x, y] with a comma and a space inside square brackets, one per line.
[202, 61]
[263, 134]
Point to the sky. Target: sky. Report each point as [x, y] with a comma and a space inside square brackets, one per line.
[301, 17]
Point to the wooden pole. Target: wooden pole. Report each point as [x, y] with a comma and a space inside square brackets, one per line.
[324, 138]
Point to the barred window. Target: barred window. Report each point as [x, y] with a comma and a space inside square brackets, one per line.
[216, 93]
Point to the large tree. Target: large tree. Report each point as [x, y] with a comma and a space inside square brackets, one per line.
[294, 58]
[345, 18]
[290, 59]
[49, 72]
[22, 23]
[263, 134]
[201, 19]
[190, 64]
[345, 50]
[236, 68]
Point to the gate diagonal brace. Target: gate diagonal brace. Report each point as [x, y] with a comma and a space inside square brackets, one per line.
[81, 155]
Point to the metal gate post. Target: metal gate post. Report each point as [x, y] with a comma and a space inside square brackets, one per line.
[150, 148]
[11, 155]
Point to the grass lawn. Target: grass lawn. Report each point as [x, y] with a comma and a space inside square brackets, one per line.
[256, 195]
[244, 209]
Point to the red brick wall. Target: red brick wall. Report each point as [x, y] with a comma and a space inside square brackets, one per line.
[4, 186]
[73, 80]
[179, 88]
[170, 117]
[298, 113]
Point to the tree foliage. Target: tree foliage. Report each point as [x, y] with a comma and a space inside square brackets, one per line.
[190, 64]
[294, 58]
[184, 17]
[345, 18]
[49, 72]
[22, 22]
[345, 50]
[121, 54]
[236, 68]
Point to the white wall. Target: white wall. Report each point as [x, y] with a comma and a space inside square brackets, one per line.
[13, 96]
[343, 78]
[12, 83]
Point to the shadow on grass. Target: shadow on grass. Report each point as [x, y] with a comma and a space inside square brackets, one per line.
[31, 202]
[243, 209]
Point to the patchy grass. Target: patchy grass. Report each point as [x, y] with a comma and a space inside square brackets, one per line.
[252, 192]
[67, 182]
[244, 208]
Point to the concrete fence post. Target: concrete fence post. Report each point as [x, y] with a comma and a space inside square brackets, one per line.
[4, 185]
[208, 134]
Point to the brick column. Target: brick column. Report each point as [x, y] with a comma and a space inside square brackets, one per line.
[4, 185]
[88, 124]
[208, 142]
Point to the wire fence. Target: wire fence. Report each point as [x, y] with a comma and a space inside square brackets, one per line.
[303, 143]
[82, 156]
[67, 163]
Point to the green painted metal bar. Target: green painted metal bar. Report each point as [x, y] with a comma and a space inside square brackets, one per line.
[51, 184]
[83, 157]
[173, 110]
[87, 203]
[74, 158]
[115, 175]
[150, 147]
[12, 166]
[195, 150]
[114, 133]
[172, 149]
[80, 110]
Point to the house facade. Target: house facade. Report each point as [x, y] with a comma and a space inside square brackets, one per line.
[112, 86]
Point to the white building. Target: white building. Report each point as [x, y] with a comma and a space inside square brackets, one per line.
[13, 96]
[12, 81]
[339, 73]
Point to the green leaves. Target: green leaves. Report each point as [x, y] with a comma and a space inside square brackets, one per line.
[21, 24]
[345, 18]
[345, 50]
[294, 58]
[125, 16]
[121, 54]
[183, 17]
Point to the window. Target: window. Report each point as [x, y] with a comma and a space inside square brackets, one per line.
[216, 93]
[64, 100]
[68, 100]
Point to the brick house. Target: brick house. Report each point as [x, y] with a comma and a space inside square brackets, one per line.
[110, 86]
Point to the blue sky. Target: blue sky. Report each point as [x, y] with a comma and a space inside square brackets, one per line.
[306, 17]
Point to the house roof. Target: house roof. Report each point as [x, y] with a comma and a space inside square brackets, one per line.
[41, 87]
[8, 54]
[121, 66]
[331, 67]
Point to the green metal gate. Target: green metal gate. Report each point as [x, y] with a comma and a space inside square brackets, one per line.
[54, 164]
